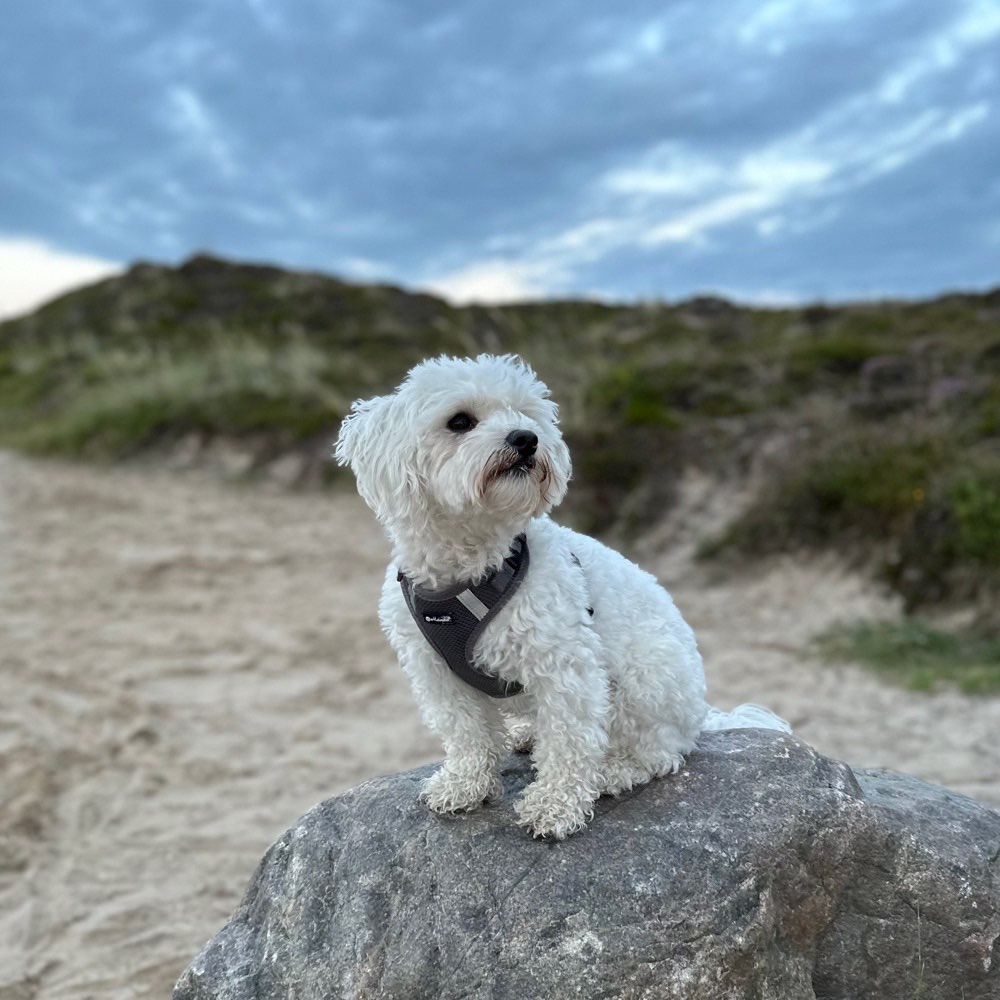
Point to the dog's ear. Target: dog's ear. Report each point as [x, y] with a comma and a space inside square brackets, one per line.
[358, 430]
[368, 444]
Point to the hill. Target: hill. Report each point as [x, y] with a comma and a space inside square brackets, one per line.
[872, 429]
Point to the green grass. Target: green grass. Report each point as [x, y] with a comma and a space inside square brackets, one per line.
[917, 655]
[114, 403]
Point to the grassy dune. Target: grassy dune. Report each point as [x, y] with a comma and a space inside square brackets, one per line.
[871, 429]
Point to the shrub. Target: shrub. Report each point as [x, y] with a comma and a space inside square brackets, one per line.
[858, 485]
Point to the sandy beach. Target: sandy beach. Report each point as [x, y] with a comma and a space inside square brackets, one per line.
[186, 666]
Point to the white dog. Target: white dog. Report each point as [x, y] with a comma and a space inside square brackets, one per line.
[496, 612]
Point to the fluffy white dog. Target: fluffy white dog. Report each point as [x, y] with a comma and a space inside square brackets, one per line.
[583, 656]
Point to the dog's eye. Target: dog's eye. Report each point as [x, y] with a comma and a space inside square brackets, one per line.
[462, 422]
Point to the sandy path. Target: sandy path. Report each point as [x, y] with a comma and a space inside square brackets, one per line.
[186, 667]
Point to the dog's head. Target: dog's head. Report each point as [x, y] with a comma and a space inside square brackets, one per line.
[460, 436]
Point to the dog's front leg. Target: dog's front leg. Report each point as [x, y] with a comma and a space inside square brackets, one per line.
[570, 740]
[471, 729]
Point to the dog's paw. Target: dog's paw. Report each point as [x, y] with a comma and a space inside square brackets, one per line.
[545, 812]
[620, 775]
[448, 792]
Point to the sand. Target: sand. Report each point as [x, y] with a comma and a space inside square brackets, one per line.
[187, 666]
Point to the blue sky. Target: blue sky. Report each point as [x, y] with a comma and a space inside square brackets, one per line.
[769, 150]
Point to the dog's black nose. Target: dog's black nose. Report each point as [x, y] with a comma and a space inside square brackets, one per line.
[525, 442]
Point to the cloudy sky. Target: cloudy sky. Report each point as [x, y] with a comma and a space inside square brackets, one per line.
[769, 150]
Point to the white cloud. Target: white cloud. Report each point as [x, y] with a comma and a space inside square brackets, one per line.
[777, 169]
[977, 25]
[691, 226]
[762, 181]
[766, 298]
[269, 16]
[914, 138]
[768, 19]
[667, 170]
[494, 281]
[675, 195]
[775, 25]
[644, 44]
[32, 272]
[583, 242]
[360, 268]
[192, 120]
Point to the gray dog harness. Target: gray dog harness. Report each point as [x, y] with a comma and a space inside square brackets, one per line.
[452, 620]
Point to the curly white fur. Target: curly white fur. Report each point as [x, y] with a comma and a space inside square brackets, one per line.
[610, 700]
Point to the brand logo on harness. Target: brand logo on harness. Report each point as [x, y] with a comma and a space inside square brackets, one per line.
[443, 619]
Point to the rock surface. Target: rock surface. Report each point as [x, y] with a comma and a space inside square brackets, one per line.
[762, 870]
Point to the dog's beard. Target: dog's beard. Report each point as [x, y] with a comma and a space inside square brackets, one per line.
[515, 481]
[506, 462]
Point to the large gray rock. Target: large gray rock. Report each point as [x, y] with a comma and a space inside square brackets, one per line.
[762, 870]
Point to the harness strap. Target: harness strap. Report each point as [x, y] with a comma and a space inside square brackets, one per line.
[452, 620]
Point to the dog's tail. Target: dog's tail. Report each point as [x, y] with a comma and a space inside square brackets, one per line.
[744, 717]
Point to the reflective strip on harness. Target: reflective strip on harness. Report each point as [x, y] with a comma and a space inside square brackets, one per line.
[476, 606]
[453, 619]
